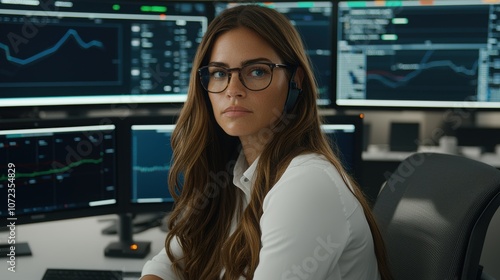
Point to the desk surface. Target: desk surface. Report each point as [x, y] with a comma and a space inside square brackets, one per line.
[382, 154]
[75, 243]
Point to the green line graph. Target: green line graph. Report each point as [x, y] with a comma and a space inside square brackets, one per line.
[4, 178]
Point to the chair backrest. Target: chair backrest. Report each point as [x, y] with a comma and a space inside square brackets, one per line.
[433, 212]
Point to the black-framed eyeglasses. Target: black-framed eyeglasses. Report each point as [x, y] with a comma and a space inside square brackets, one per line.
[254, 76]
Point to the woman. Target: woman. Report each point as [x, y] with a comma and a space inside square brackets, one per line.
[259, 193]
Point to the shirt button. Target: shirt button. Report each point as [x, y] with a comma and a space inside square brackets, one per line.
[245, 180]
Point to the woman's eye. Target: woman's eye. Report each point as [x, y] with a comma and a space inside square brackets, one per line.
[218, 74]
[257, 73]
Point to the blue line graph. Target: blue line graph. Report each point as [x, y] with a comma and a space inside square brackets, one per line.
[70, 33]
[424, 65]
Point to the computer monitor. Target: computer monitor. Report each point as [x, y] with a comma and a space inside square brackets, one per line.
[418, 54]
[53, 170]
[345, 133]
[82, 52]
[59, 169]
[315, 22]
[150, 158]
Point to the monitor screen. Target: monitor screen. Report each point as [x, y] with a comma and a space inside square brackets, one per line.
[421, 54]
[345, 133]
[151, 156]
[314, 21]
[57, 169]
[98, 51]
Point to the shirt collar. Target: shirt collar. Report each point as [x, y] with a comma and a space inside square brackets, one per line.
[244, 175]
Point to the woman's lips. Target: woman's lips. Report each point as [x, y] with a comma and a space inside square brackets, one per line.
[236, 111]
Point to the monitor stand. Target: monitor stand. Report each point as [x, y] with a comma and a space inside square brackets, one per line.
[126, 247]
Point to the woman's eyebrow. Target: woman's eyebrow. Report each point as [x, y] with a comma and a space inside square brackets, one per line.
[255, 60]
[215, 63]
[243, 63]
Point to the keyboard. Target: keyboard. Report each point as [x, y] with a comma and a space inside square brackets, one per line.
[87, 274]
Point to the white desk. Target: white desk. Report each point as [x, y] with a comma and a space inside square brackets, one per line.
[75, 243]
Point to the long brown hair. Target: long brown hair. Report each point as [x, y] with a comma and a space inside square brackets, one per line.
[201, 172]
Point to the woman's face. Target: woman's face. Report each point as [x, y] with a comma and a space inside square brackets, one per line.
[239, 111]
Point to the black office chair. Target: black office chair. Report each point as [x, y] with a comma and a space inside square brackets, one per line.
[433, 212]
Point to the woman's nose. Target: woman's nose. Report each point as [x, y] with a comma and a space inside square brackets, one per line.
[235, 87]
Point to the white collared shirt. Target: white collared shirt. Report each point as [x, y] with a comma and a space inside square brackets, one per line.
[312, 226]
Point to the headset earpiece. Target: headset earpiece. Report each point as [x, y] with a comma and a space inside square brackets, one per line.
[293, 93]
